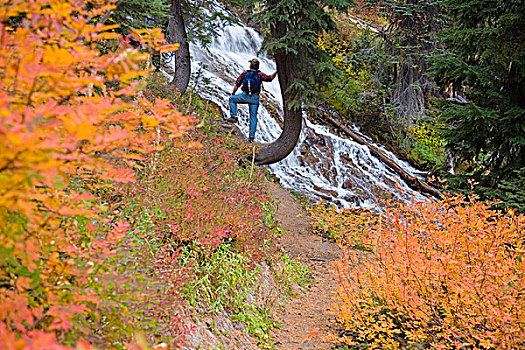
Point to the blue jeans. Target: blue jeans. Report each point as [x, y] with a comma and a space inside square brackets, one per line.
[253, 106]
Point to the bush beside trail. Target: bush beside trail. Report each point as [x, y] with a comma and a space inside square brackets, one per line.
[436, 274]
[72, 126]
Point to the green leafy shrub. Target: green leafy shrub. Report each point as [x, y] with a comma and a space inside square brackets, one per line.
[226, 280]
[426, 147]
[511, 192]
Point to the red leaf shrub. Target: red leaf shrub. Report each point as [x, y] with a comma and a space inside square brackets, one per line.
[200, 196]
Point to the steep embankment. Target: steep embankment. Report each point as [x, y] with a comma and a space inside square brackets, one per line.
[307, 312]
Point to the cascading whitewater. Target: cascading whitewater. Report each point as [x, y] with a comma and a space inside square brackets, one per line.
[323, 165]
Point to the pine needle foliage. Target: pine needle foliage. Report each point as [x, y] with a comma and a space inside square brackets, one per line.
[299, 24]
[485, 63]
[398, 52]
[139, 14]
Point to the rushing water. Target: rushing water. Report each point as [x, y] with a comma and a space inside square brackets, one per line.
[323, 165]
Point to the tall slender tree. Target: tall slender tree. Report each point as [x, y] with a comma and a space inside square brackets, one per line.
[176, 33]
[415, 23]
[399, 50]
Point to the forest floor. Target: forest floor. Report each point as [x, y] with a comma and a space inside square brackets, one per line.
[309, 311]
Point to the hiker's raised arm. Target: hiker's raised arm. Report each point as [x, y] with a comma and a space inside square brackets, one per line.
[235, 89]
[266, 77]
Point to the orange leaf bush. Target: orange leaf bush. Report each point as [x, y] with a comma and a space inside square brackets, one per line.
[69, 116]
[443, 274]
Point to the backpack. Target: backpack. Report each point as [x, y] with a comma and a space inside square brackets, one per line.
[251, 83]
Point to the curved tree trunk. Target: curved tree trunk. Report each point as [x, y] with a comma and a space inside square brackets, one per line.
[286, 62]
[283, 146]
[177, 34]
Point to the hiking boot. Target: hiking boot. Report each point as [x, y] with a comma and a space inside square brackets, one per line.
[250, 139]
[232, 120]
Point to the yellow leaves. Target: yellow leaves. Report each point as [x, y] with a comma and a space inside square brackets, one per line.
[14, 8]
[59, 8]
[440, 270]
[53, 259]
[85, 131]
[105, 36]
[106, 28]
[62, 127]
[169, 48]
[81, 128]
[103, 3]
[14, 139]
[149, 121]
[125, 65]
[152, 38]
[58, 56]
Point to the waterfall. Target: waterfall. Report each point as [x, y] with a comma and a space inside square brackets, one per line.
[323, 166]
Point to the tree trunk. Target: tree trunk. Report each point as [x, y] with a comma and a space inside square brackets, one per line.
[284, 145]
[177, 34]
[286, 69]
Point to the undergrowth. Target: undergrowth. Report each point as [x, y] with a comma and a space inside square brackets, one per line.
[345, 226]
[227, 281]
[106, 195]
[200, 215]
[445, 274]
[73, 126]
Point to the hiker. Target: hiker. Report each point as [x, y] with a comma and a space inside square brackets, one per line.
[251, 82]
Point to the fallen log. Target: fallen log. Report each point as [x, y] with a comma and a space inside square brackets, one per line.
[412, 181]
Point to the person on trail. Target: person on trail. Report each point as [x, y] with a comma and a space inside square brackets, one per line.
[250, 82]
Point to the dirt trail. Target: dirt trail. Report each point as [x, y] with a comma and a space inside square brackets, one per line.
[307, 311]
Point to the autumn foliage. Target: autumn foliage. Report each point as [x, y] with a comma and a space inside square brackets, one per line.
[198, 198]
[438, 274]
[71, 125]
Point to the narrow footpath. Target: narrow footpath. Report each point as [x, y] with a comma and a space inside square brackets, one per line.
[308, 312]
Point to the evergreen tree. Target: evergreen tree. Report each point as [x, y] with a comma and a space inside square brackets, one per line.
[293, 27]
[137, 14]
[399, 51]
[485, 65]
